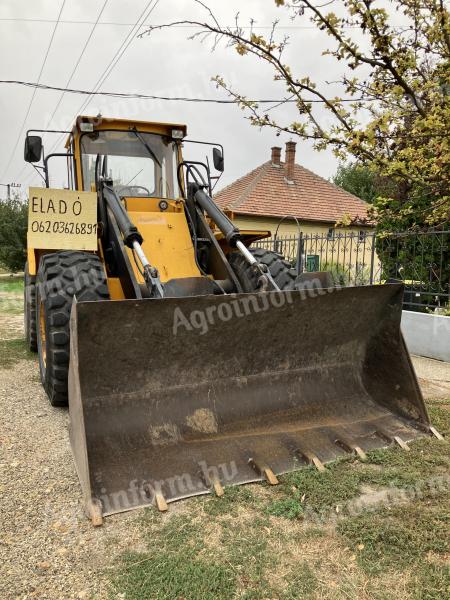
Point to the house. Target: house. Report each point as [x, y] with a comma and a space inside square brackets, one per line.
[275, 189]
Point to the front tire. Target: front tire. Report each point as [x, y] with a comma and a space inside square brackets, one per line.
[61, 276]
[281, 270]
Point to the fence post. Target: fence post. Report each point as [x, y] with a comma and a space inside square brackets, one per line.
[372, 258]
[300, 253]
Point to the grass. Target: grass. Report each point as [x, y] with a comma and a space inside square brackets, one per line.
[11, 285]
[311, 493]
[11, 295]
[289, 542]
[234, 498]
[398, 537]
[174, 566]
[12, 351]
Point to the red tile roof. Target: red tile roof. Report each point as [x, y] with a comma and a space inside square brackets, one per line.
[265, 192]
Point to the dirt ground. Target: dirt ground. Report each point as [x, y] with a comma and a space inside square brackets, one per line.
[48, 550]
[433, 376]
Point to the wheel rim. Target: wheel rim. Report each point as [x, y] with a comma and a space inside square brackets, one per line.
[42, 335]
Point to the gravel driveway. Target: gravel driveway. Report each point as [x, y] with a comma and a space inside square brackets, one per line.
[48, 549]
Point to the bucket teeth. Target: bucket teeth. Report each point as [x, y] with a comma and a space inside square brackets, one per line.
[94, 511]
[217, 487]
[436, 433]
[360, 452]
[352, 448]
[264, 470]
[311, 458]
[317, 463]
[161, 502]
[212, 481]
[398, 440]
[392, 439]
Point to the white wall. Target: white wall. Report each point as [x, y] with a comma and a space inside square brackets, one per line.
[427, 334]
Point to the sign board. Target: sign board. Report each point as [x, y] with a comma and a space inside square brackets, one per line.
[62, 219]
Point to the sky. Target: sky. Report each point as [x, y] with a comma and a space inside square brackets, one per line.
[166, 62]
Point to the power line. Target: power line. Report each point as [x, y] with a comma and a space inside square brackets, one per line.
[78, 61]
[138, 96]
[113, 62]
[72, 74]
[111, 65]
[35, 90]
[122, 24]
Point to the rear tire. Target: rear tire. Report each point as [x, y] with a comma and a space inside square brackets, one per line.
[29, 310]
[61, 276]
[280, 269]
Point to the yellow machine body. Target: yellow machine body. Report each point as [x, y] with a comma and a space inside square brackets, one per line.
[166, 235]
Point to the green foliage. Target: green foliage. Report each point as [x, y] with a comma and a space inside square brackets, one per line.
[440, 418]
[393, 109]
[421, 260]
[340, 273]
[13, 234]
[358, 180]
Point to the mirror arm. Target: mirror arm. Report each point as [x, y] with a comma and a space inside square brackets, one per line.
[208, 170]
[37, 167]
[216, 177]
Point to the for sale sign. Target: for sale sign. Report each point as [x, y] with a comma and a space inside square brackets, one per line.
[62, 219]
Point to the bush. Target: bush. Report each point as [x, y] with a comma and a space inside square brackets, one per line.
[13, 234]
[340, 274]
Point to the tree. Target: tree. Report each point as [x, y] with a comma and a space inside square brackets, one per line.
[358, 180]
[393, 114]
[13, 234]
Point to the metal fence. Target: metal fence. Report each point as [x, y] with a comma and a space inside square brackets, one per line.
[420, 260]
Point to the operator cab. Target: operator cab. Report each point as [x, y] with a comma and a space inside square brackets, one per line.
[138, 163]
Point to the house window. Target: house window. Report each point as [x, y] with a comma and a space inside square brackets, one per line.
[361, 235]
[330, 234]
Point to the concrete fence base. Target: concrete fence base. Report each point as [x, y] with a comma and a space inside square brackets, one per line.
[427, 334]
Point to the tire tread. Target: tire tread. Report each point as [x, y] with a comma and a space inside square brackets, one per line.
[61, 276]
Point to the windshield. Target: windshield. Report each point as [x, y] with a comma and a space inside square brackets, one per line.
[139, 165]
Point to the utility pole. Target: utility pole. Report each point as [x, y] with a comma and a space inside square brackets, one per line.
[8, 187]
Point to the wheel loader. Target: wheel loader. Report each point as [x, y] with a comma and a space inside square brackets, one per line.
[189, 358]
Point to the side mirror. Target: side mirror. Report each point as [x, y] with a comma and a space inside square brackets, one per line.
[218, 159]
[33, 149]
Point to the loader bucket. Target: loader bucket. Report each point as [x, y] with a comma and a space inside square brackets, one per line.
[171, 398]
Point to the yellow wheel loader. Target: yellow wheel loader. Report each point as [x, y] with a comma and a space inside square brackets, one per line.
[189, 359]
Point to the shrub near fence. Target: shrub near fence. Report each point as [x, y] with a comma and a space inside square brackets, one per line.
[420, 260]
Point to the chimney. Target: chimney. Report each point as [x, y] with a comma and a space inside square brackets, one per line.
[276, 156]
[289, 163]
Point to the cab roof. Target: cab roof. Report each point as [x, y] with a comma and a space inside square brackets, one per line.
[101, 123]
